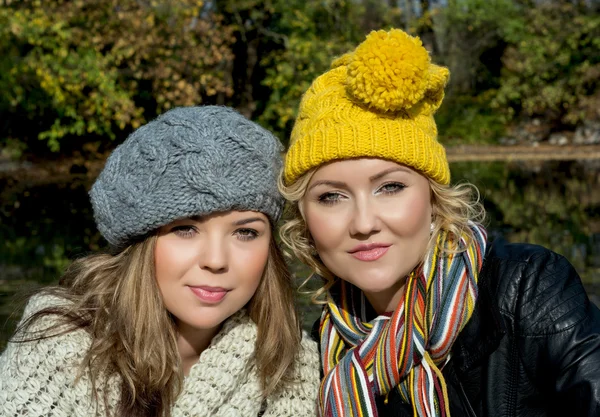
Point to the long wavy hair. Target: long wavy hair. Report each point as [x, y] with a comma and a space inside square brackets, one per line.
[453, 207]
[116, 299]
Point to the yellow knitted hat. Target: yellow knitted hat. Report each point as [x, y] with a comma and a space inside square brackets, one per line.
[376, 101]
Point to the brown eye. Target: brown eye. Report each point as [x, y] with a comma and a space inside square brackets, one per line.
[246, 234]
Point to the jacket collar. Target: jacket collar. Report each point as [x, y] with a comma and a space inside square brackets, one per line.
[485, 328]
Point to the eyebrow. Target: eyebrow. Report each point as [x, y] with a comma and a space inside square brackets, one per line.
[388, 171]
[249, 220]
[237, 223]
[339, 184]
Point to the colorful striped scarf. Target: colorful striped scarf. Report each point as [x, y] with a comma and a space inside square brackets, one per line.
[406, 349]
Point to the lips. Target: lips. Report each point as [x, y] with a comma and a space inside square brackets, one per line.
[210, 295]
[369, 252]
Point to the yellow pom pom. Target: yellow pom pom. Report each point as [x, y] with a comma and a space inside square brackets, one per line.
[389, 71]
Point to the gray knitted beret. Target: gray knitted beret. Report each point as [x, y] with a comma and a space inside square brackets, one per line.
[189, 161]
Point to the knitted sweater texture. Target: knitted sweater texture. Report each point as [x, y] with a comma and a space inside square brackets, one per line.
[38, 378]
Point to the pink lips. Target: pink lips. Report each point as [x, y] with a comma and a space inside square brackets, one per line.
[369, 252]
[211, 295]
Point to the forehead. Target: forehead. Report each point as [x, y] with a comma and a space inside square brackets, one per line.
[360, 167]
[230, 216]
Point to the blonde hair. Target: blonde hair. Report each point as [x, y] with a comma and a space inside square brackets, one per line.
[116, 299]
[453, 207]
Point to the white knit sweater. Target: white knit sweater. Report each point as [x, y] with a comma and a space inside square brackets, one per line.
[37, 378]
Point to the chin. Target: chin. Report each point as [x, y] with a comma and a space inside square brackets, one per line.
[377, 283]
[206, 321]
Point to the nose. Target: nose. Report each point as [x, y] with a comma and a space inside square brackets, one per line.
[365, 221]
[214, 256]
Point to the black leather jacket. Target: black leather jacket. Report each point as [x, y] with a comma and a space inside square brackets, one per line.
[532, 346]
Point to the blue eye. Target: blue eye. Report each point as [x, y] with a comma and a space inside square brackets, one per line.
[391, 188]
[246, 234]
[329, 199]
[184, 231]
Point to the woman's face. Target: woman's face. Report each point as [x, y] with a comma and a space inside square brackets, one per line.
[209, 267]
[370, 220]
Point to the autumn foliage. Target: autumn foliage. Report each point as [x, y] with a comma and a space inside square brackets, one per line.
[98, 67]
[82, 74]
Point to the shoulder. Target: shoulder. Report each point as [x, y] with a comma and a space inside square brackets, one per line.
[298, 398]
[35, 325]
[45, 337]
[38, 368]
[501, 250]
[41, 301]
[309, 352]
[306, 367]
[537, 288]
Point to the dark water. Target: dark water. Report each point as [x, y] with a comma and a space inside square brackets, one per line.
[555, 204]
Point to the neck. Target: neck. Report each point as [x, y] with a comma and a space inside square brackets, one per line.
[191, 342]
[387, 301]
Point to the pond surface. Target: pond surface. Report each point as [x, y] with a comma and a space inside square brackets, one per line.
[555, 204]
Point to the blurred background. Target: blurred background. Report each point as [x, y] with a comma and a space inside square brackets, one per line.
[521, 118]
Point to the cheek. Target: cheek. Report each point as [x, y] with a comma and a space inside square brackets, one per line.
[163, 260]
[412, 218]
[172, 258]
[250, 264]
[326, 229]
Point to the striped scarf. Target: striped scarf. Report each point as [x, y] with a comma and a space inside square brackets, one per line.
[407, 348]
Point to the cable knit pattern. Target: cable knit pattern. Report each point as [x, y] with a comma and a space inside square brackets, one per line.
[189, 161]
[38, 377]
[376, 101]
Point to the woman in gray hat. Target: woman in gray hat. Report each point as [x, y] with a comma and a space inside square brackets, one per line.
[191, 312]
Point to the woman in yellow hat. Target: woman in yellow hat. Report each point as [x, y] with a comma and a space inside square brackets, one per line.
[422, 315]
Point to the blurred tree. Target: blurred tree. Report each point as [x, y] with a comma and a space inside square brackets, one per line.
[251, 22]
[552, 67]
[470, 37]
[308, 35]
[425, 28]
[82, 71]
[95, 68]
[311, 33]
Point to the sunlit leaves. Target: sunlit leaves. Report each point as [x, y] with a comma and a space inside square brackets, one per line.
[99, 67]
[552, 68]
[310, 34]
